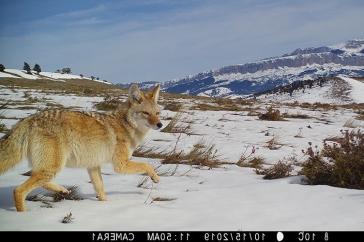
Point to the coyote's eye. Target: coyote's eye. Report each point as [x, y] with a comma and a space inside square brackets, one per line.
[158, 113]
[146, 113]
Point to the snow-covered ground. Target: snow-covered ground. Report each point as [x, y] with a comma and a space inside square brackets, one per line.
[322, 94]
[357, 89]
[15, 73]
[225, 198]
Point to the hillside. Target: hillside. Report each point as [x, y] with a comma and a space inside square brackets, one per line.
[301, 64]
[52, 76]
[331, 90]
[55, 82]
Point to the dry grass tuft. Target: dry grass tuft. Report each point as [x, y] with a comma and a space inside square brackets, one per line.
[74, 194]
[68, 219]
[110, 104]
[162, 199]
[202, 154]
[271, 114]
[273, 143]
[279, 170]
[176, 125]
[249, 160]
[173, 106]
[297, 115]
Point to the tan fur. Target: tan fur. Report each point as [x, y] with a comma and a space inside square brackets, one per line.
[54, 139]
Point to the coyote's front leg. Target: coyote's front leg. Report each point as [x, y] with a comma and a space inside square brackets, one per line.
[133, 167]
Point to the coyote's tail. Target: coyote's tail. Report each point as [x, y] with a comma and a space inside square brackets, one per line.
[13, 146]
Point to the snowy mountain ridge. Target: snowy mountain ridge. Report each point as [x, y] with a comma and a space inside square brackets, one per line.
[244, 79]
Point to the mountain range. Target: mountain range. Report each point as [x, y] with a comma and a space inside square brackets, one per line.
[245, 79]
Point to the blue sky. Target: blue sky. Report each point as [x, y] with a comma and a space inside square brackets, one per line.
[144, 40]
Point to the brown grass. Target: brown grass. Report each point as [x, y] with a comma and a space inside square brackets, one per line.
[221, 104]
[339, 163]
[202, 154]
[271, 114]
[247, 159]
[297, 115]
[254, 162]
[273, 143]
[176, 125]
[279, 170]
[110, 104]
[173, 106]
[82, 87]
[162, 199]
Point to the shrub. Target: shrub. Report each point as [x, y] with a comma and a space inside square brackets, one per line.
[176, 126]
[201, 154]
[279, 170]
[271, 114]
[339, 163]
[173, 106]
[2, 68]
[109, 104]
[248, 160]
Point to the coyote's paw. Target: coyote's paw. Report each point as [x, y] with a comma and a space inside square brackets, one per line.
[65, 191]
[101, 198]
[155, 178]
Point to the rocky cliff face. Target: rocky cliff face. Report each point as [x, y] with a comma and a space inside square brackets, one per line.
[301, 64]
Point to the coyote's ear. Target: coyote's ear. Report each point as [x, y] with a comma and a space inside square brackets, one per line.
[135, 95]
[155, 92]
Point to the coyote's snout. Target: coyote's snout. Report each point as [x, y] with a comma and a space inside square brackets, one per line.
[54, 139]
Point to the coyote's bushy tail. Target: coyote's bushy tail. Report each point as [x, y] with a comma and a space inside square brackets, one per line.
[13, 146]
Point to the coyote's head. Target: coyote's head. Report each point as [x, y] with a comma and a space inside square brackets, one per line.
[143, 108]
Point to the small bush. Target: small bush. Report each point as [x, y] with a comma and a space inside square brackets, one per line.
[279, 170]
[271, 114]
[68, 219]
[173, 106]
[255, 162]
[74, 194]
[201, 154]
[109, 104]
[176, 126]
[339, 163]
[273, 143]
[248, 160]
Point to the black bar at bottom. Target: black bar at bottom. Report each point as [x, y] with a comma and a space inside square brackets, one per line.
[185, 236]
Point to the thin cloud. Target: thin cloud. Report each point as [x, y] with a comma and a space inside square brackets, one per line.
[144, 44]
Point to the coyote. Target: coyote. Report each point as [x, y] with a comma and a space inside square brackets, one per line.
[54, 139]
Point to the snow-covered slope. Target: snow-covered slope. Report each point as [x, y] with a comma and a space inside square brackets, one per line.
[357, 89]
[15, 73]
[310, 63]
[340, 90]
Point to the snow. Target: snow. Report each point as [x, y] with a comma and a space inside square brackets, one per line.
[219, 199]
[22, 74]
[3, 74]
[225, 198]
[357, 91]
[46, 75]
[286, 72]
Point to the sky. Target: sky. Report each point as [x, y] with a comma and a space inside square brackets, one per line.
[159, 40]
